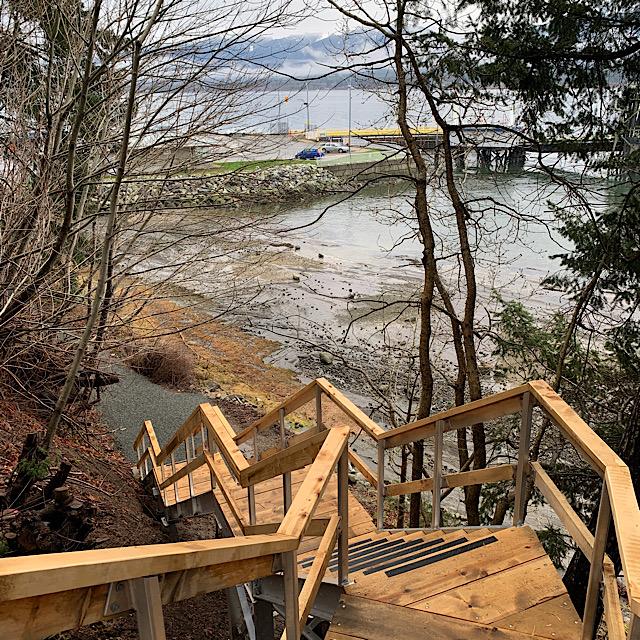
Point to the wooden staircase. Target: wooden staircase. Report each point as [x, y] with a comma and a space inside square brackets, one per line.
[311, 552]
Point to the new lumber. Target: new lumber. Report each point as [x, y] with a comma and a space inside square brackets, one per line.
[42, 616]
[594, 450]
[362, 618]
[569, 518]
[310, 492]
[356, 414]
[363, 468]
[217, 467]
[184, 471]
[187, 428]
[612, 611]
[316, 528]
[495, 406]
[464, 479]
[626, 517]
[25, 577]
[292, 403]
[499, 595]
[290, 459]
[212, 419]
[318, 569]
[513, 547]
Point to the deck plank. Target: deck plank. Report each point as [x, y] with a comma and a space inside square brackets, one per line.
[372, 620]
[513, 547]
[553, 619]
[499, 595]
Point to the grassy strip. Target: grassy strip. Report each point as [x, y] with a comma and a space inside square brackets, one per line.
[255, 165]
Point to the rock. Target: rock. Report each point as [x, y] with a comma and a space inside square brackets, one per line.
[213, 386]
[321, 255]
[326, 357]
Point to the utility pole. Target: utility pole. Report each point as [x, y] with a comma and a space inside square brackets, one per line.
[349, 119]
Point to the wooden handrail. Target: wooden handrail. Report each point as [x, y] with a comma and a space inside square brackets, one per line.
[148, 430]
[213, 422]
[588, 443]
[216, 467]
[29, 576]
[188, 427]
[301, 397]
[363, 468]
[466, 478]
[310, 492]
[317, 570]
[323, 450]
[489, 408]
[350, 409]
[624, 504]
[188, 468]
[294, 457]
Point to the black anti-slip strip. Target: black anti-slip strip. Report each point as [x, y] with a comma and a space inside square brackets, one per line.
[361, 550]
[414, 556]
[355, 545]
[369, 561]
[367, 553]
[441, 556]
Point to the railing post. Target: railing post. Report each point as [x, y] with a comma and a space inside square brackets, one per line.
[211, 446]
[162, 475]
[148, 604]
[522, 470]
[380, 484]
[437, 475]
[189, 458]
[597, 559]
[634, 628]
[291, 606]
[251, 494]
[251, 491]
[146, 460]
[319, 409]
[173, 470]
[286, 477]
[343, 510]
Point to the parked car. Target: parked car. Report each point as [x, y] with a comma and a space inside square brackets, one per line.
[335, 147]
[309, 153]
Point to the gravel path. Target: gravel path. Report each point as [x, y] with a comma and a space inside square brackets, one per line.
[126, 405]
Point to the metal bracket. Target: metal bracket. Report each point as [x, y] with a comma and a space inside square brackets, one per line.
[118, 599]
[278, 565]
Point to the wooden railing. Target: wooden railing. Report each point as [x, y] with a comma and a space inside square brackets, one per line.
[48, 594]
[617, 500]
[43, 595]
[321, 449]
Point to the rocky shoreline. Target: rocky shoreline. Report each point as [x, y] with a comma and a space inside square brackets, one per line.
[280, 183]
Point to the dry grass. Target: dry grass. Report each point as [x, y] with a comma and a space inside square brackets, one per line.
[165, 363]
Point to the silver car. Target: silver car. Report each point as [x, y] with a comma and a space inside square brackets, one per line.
[335, 147]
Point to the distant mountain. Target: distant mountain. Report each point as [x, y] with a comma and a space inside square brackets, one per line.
[301, 56]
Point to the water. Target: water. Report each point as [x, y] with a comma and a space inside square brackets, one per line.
[284, 110]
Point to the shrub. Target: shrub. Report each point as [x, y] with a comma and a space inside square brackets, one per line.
[164, 363]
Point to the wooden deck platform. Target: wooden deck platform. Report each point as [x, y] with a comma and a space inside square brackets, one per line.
[462, 584]
[458, 585]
